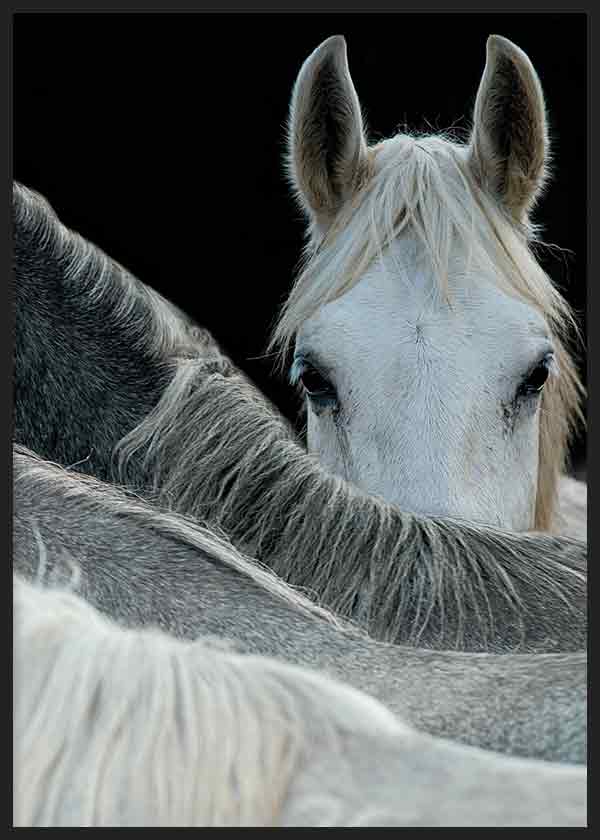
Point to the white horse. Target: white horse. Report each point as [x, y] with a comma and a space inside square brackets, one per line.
[431, 346]
[124, 727]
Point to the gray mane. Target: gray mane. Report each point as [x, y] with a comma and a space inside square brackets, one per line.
[153, 324]
[84, 328]
[214, 450]
[95, 497]
[144, 567]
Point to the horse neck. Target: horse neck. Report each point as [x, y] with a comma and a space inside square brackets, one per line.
[71, 349]
[246, 475]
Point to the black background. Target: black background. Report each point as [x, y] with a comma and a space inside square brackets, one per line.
[159, 137]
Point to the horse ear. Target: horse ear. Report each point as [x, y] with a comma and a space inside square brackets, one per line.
[509, 143]
[327, 149]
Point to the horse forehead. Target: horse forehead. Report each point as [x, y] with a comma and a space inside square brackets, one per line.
[388, 309]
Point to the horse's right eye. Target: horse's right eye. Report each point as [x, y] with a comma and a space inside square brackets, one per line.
[315, 384]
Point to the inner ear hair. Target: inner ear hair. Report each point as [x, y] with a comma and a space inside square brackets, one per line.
[509, 145]
[327, 149]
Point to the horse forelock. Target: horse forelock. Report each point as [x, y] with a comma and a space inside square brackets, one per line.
[424, 185]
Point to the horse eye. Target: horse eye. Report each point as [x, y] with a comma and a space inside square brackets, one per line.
[537, 377]
[315, 384]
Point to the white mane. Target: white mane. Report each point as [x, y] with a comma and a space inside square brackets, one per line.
[423, 183]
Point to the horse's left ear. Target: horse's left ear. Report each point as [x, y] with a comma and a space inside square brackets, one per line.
[509, 143]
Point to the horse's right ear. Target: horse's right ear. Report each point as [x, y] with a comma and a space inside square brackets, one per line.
[327, 149]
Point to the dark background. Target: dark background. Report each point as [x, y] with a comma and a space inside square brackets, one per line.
[159, 137]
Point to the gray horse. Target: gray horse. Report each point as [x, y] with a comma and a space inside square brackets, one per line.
[132, 728]
[105, 367]
[143, 566]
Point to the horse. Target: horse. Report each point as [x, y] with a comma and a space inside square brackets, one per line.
[93, 344]
[115, 726]
[431, 348]
[113, 381]
[146, 566]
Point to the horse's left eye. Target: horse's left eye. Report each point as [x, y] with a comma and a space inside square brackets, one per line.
[537, 377]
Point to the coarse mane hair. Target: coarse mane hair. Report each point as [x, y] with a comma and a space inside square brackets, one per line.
[153, 323]
[423, 184]
[124, 503]
[214, 450]
[114, 726]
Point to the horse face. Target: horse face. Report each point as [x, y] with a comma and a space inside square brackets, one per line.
[427, 396]
[433, 405]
